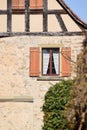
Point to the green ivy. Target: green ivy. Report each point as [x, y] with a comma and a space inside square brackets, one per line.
[55, 100]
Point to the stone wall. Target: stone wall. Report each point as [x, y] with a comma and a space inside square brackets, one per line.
[15, 80]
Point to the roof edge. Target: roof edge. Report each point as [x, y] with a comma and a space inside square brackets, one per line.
[72, 14]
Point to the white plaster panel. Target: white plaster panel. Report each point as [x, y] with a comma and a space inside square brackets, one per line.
[18, 23]
[3, 4]
[53, 4]
[36, 23]
[53, 25]
[70, 24]
[3, 23]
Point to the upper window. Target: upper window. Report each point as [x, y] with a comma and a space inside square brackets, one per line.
[50, 61]
[34, 4]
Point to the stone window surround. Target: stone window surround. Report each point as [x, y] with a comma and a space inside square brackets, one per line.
[49, 78]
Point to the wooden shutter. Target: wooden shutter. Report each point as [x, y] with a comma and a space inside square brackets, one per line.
[66, 61]
[36, 4]
[32, 4]
[15, 4]
[21, 4]
[34, 61]
[18, 4]
[39, 4]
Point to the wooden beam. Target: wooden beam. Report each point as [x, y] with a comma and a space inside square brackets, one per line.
[56, 11]
[3, 12]
[9, 15]
[61, 22]
[17, 11]
[45, 19]
[22, 11]
[41, 34]
[4, 34]
[27, 16]
[40, 11]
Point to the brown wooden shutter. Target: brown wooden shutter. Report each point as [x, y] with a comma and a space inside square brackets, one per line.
[39, 4]
[18, 4]
[21, 4]
[36, 4]
[66, 61]
[15, 4]
[32, 4]
[34, 61]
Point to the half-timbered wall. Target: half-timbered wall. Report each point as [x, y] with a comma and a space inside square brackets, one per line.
[51, 18]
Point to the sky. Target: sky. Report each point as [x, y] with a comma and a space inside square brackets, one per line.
[79, 7]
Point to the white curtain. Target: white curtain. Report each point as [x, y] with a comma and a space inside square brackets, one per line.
[56, 61]
[46, 56]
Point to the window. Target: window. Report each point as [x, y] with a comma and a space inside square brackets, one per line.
[34, 4]
[50, 62]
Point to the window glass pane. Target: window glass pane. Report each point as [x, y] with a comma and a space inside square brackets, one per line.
[50, 61]
[55, 61]
[46, 60]
[53, 65]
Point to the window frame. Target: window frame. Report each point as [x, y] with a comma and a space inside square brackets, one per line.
[64, 63]
[51, 53]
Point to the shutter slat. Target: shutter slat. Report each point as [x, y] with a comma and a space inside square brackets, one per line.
[21, 4]
[39, 4]
[15, 4]
[34, 61]
[66, 61]
[36, 4]
[32, 4]
[18, 4]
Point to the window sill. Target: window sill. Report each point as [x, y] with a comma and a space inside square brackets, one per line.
[50, 78]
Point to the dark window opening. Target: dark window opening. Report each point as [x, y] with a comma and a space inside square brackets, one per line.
[50, 60]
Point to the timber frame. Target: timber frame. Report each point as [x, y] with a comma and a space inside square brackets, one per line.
[9, 12]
